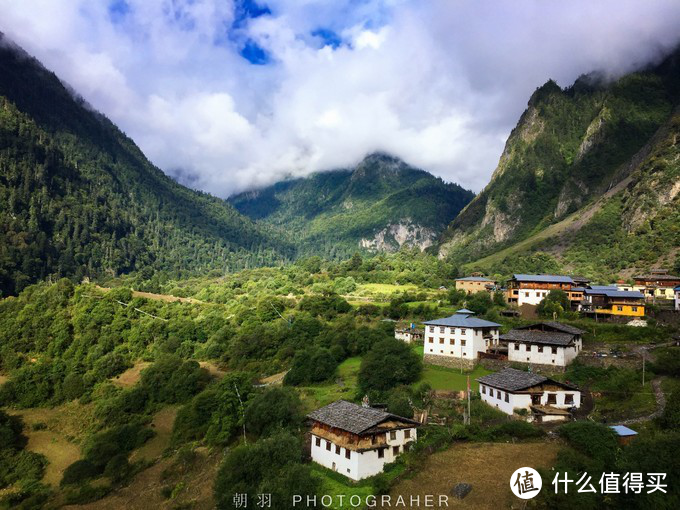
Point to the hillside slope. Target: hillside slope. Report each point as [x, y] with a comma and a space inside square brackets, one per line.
[80, 199]
[573, 155]
[379, 205]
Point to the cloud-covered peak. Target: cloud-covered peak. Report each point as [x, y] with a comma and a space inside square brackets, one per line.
[235, 95]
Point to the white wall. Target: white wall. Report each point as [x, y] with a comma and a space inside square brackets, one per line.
[523, 400]
[530, 296]
[474, 341]
[563, 357]
[360, 464]
[677, 300]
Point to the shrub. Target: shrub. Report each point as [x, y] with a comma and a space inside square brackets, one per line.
[311, 365]
[273, 409]
[80, 471]
[389, 363]
[592, 439]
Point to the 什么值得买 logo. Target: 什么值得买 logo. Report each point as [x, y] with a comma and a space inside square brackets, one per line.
[525, 483]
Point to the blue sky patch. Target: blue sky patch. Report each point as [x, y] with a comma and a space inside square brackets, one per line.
[118, 10]
[254, 53]
[328, 37]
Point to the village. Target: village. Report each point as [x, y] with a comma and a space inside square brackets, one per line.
[526, 364]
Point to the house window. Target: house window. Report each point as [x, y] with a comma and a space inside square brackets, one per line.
[452, 342]
[482, 389]
[395, 450]
[554, 350]
[619, 308]
[430, 350]
[498, 393]
[552, 398]
[635, 308]
[462, 331]
[431, 340]
[393, 435]
[407, 447]
[527, 347]
[517, 347]
[337, 449]
[442, 329]
[540, 348]
[348, 453]
[507, 397]
[328, 446]
[431, 329]
[441, 340]
[568, 398]
[381, 453]
[318, 441]
[462, 343]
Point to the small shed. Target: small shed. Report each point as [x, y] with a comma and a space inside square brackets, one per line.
[624, 434]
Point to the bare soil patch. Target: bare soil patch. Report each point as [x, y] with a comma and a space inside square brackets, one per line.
[162, 424]
[131, 376]
[486, 466]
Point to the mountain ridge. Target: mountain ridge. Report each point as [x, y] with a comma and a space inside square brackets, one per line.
[380, 204]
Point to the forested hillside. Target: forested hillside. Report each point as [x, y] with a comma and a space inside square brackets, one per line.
[380, 205]
[569, 149]
[80, 199]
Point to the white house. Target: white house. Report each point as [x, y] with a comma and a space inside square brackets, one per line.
[458, 337]
[358, 441]
[545, 399]
[544, 343]
[408, 335]
[677, 298]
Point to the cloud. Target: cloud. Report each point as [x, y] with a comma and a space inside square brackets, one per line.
[232, 95]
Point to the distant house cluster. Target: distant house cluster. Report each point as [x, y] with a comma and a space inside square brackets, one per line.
[658, 284]
[475, 283]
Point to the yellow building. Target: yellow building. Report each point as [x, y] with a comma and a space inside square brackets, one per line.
[474, 284]
[608, 300]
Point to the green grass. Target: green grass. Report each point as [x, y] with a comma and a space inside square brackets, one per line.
[335, 485]
[384, 288]
[442, 378]
[319, 395]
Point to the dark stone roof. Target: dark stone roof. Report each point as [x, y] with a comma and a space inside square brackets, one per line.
[462, 319]
[538, 337]
[352, 417]
[543, 278]
[656, 277]
[474, 279]
[511, 379]
[557, 326]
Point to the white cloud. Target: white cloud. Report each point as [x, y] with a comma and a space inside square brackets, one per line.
[440, 83]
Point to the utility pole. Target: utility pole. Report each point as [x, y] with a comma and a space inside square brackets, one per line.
[243, 414]
[468, 398]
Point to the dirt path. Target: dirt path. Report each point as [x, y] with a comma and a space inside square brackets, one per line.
[660, 398]
[159, 297]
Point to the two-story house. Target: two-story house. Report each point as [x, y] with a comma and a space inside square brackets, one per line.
[658, 284]
[455, 341]
[531, 289]
[358, 441]
[545, 399]
[545, 343]
[609, 300]
[474, 284]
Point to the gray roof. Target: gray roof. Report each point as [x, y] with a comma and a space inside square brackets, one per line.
[564, 328]
[616, 293]
[511, 379]
[602, 287]
[474, 279]
[656, 277]
[538, 337]
[543, 278]
[352, 417]
[462, 319]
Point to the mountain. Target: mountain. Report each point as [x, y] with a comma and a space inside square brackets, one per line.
[80, 199]
[380, 205]
[588, 171]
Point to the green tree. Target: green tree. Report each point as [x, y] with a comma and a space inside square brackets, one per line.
[274, 409]
[389, 363]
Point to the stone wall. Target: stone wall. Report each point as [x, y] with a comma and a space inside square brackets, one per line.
[498, 364]
[449, 362]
